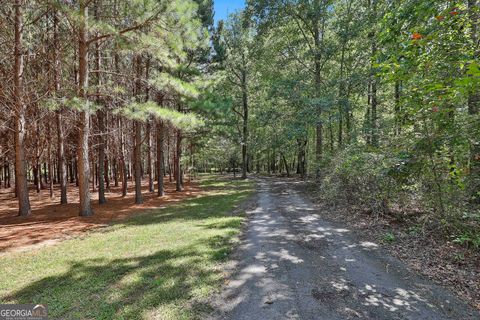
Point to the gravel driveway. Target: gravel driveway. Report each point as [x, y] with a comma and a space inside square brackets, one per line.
[292, 264]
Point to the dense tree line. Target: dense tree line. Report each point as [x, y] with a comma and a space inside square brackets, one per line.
[377, 100]
[98, 92]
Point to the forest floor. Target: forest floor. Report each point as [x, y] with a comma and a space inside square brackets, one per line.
[162, 263]
[51, 222]
[428, 252]
[295, 263]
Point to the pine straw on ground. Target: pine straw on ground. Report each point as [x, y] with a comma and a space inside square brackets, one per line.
[428, 252]
[51, 222]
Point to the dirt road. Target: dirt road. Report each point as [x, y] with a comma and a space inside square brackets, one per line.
[294, 265]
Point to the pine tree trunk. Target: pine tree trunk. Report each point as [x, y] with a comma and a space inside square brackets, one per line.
[178, 172]
[115, 172]
[123, 161]
[20, 110]
[62, 170]
[160, 163]
[101, 125]
[101, 158]
[149, 157]
[169, 159]
[50, 165]
[137, 163]
[84, 116]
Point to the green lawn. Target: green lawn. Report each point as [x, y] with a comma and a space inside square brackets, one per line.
[158, 265]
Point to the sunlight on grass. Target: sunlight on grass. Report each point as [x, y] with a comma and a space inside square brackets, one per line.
[157, 265]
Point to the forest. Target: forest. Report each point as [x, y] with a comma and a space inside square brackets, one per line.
[110, 106]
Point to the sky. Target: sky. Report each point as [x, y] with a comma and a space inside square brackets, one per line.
[224, 7]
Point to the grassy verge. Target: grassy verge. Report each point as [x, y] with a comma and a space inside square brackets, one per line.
[157, 265]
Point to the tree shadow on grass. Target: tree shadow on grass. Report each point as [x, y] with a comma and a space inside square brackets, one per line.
[202, 207]
[152, 286]
[169, 283]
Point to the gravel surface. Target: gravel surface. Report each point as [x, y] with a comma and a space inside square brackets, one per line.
[292, 264]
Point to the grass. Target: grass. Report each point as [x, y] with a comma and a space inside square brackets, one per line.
[158, 265]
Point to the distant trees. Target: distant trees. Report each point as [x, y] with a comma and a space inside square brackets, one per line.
[236, 53]
[378, 97]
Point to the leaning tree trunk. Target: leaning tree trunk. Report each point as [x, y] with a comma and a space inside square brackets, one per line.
[160, 163]
[84, 117]
[21, 186]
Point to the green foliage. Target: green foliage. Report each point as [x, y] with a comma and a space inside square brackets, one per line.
[147, 110]
[468, 238]
[413, 230]
[74, 103]
[363, 178]
[389, 237]
[316, 63]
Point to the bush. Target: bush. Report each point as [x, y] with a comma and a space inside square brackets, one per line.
[361, 177]
[379, 181]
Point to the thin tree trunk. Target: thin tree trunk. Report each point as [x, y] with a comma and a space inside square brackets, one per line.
[178, 173]
[341, 92]
[330, 130]
[318, 39]
[62, 170]
[137, 154]
[169, 161]
[50, 166]
[286, 165]
[115, 172]
[45, 174]
[123, 161]
[160, 163]
[373, 79]
[474, 107]
[149, 157]
[94, 175]
[245, 124]
[397, 129]
[101, 158]
[101, 124]
[137, 163]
